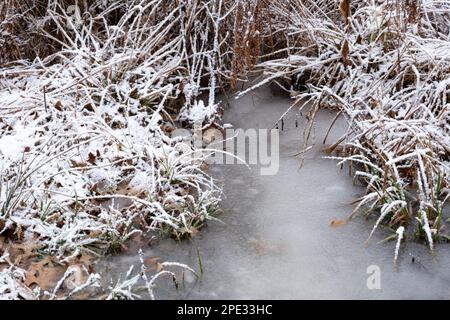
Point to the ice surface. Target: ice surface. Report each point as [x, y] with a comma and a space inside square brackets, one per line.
[277, 242]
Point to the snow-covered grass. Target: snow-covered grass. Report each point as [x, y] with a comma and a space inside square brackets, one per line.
[86, 126]
[383, 65]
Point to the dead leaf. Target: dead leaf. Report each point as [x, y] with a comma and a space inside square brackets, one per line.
[336, 148]
[265, 247]
[22, 252]
[204, 166]
[76, 279]
[159, 267]
[338, 223]
[44, 273]
[53, 218]
[99, 187]
[76, 164]
[168, 128]
[194, 232]
[88, 261]
[91, 158]
[153, 263]
[59, 105]
[359, 39]
[88, 107]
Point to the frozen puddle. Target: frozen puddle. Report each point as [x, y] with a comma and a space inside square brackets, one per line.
[277, 242]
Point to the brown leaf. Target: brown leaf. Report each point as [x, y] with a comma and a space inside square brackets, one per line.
[338, 223]
[159, 267]
[91, 158]
[266, 247]
[53, 218]
[194, 232]
[23, 252]
[359, 39]
[76, 279]
[76, 164]
[168, 128]
[88, 261]
[336, 148]
[204, 166]
[59, 105]
[44, 273]
[153, 263]
[88, 107]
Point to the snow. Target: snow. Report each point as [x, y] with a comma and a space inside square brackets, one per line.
[199, 113]
[12, 146]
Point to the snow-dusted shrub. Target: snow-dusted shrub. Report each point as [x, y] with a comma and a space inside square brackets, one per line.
[85, 156]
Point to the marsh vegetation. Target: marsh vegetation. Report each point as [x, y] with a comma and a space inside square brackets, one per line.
[91, 90]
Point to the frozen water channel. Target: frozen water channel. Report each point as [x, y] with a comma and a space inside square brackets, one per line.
[276, 241]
